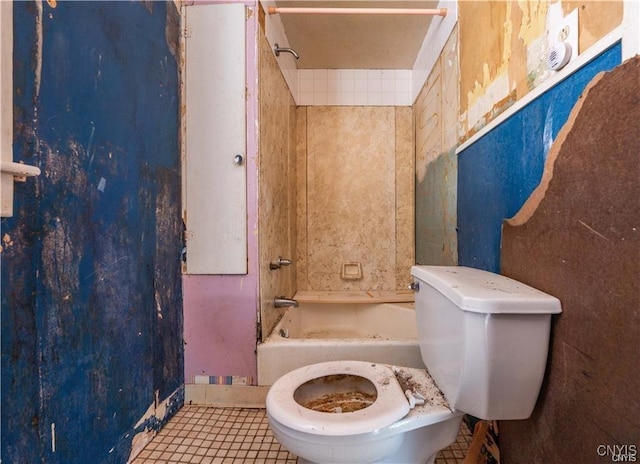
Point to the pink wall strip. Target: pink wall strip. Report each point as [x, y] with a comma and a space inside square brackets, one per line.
[220, 311]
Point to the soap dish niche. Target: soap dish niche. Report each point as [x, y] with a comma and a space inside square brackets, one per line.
[351, 271]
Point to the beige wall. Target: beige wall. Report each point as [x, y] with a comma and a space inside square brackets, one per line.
[355, 203]
[276, 185]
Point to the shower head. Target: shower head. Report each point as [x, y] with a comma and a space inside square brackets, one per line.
[277, 49]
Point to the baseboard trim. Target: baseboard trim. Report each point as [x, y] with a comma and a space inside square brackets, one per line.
[238, 396]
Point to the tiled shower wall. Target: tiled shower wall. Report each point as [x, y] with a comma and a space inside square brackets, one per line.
[277, 181]
[352, 169]
[355, 197]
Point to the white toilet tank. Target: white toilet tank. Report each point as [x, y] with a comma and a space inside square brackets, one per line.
[484, 339]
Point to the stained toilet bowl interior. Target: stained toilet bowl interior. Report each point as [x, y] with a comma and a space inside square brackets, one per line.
[338, 393]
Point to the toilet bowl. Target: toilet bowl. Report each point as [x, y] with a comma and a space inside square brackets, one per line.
[311, 412]
[484, 339]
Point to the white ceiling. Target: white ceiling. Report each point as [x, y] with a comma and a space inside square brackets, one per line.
[329, 41]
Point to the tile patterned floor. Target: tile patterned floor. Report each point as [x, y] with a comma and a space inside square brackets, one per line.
[456, 453]
[213, 435]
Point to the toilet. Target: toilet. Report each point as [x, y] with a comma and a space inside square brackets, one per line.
[484, 340]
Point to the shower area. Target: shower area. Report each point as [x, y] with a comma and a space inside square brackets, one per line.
[333, 222]
[337, 200]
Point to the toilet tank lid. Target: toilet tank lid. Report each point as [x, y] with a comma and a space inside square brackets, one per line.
[481, 291]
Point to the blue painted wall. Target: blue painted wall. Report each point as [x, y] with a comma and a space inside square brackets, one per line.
[497, 173]
[91, 285]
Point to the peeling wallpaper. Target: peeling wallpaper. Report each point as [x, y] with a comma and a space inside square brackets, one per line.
[501, 65]
[497, 173]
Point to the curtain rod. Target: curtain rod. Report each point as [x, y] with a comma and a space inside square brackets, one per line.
[374, 11]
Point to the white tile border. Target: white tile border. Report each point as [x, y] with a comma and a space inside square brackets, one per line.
[362, 87]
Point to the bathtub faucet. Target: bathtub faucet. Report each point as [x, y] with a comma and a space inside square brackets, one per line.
[279, 263]
[282, 302]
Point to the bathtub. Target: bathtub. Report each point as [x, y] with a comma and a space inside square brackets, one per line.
[317, 332]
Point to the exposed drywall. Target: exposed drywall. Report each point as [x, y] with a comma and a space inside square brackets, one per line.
[91, 294]
[503, 47]
[579, 239]
[498, 172]
[482, 46]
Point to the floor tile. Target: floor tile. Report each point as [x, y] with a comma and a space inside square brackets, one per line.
[211, 435]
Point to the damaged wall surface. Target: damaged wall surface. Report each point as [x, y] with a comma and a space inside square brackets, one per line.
[91, 288]
[497, 173]
[578, 238]
[436, 114]
[500, 66]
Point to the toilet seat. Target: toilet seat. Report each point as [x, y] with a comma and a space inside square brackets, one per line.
[390, 405]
